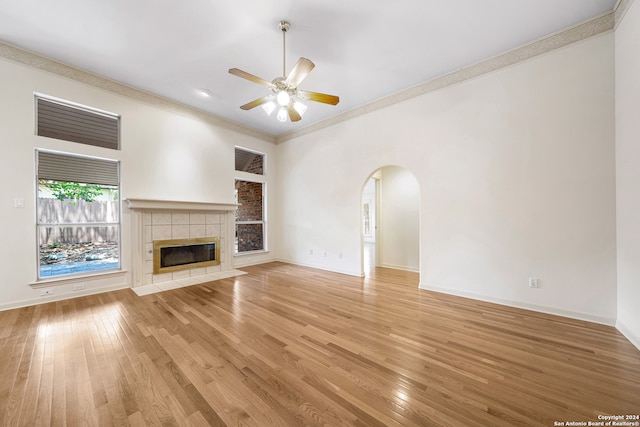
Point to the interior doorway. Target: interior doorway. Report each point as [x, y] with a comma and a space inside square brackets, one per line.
[390, 221]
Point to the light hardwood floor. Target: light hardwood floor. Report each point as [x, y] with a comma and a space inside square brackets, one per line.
[287, 345]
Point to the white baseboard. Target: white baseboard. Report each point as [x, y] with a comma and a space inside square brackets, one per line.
[61, 297]
[400, 267]
[333, 270]
[526, 306]
[253, 262]
[628, 333]
[249, 259]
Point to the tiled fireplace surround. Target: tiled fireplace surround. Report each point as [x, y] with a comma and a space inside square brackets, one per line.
[163, 220]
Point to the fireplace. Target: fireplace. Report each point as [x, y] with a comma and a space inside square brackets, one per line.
[183, 254]
[161, 220]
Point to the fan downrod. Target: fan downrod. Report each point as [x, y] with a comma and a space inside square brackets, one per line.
[284, 27]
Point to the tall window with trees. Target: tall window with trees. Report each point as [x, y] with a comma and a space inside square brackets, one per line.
[78, 214]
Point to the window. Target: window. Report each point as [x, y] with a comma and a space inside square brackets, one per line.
[249, 161]
[78, 214]
[249, 216]
[56, 118]
[250, 196]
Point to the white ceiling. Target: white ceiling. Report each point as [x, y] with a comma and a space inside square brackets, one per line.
[363, 50]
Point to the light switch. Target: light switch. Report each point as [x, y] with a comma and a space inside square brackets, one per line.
[18, 202]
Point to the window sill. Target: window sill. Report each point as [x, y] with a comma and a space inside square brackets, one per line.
[54, 281]
[241, 254]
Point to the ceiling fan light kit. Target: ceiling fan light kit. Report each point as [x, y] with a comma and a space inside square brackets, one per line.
[286, 96]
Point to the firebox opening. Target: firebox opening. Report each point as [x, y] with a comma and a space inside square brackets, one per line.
[183, 254]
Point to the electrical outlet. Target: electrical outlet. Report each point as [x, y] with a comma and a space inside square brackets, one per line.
[533, 282]
[78, 286]
[45, 292]
[310, 251]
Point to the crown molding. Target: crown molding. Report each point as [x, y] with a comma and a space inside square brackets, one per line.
[620, 10]
[549, 43]
[34, 60]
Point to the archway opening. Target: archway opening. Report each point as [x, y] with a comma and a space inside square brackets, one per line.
[390, 219]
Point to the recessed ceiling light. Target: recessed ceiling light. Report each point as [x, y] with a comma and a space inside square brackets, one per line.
[205, 92]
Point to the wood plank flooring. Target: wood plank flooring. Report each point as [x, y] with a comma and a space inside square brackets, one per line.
[287, 346]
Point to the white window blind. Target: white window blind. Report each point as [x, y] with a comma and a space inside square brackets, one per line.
[71, 122]
[63, 167]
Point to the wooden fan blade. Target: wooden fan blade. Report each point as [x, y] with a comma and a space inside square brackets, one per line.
[255, 103]
[318, 97]
[299, 72]
[293, 114]
[251, 77]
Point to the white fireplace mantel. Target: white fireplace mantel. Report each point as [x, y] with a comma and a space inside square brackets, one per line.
[151, 204]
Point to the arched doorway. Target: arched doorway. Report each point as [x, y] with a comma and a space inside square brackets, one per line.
[390, 217]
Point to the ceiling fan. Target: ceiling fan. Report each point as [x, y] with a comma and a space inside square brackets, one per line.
[286, 96]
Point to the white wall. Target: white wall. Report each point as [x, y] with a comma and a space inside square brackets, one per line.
[165, 155]
[399, 244]
[627, 60]
[516, 171]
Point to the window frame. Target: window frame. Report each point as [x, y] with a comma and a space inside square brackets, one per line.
[40, 225]
[263, 221]
[95, 112]
[256, 178]
[248, 150]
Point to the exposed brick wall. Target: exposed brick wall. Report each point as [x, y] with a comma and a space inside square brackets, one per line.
[256, 165]
[250, 237]
[250, 199]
